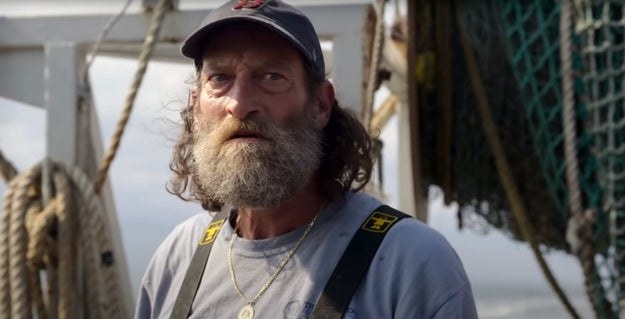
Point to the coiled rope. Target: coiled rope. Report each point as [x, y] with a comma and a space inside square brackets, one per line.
[65, 238]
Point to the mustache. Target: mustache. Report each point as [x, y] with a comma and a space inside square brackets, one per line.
[232, 128]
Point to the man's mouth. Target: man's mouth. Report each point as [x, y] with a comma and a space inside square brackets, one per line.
[246, 135]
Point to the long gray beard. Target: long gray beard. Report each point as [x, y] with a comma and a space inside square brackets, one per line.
[258, 174]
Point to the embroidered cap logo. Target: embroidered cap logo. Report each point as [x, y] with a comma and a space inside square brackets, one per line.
[248, 4]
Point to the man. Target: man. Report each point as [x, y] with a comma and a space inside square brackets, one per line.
[267, 145]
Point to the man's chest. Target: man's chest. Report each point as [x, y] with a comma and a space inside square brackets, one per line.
[288, 293]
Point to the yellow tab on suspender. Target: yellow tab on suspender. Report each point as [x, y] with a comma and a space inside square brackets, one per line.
[379, 222]
[211, 232]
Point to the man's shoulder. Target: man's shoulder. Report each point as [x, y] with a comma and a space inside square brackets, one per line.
[188, 232]
[359, 204]
[414, 258]
[181, 242]
[409, 234]
[192, 225]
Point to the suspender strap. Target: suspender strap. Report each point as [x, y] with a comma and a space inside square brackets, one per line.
[354, 263]
[191, 282]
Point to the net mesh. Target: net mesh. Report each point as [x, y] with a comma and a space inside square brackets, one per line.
[516, 44]
[476, 187]
[533, 34]
[601, 28]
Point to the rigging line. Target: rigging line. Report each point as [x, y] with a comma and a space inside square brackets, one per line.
[568, 111]
[580, 224]
[146, 52]
[105, 31]
[374, 64]
[577, 224]
[85, 95]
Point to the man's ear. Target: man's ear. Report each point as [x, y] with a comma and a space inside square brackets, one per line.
[191, 111]
[325, 101]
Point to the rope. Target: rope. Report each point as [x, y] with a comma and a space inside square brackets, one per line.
[5, 289]
[67, 249]
[98, 44]
[579, 230]
[20, 296]
[7, 170]
[568, 111]
[94, 241]
[383, 114]
[148, 47]
[40, 239]
[600, 44]
[503, 169]
[36, 254]
[374, 64]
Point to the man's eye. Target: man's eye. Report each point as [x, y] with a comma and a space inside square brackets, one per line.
[218, 78]
[273, 76]
[275, 82]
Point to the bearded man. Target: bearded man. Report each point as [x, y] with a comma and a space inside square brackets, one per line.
[266, 145]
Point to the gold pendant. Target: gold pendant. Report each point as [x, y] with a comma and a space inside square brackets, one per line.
[247, 312]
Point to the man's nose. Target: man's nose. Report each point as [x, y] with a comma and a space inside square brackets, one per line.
[244, 98]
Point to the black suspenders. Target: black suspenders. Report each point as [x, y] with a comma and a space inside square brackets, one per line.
[354, 263]
[349, 272]
[193, 277]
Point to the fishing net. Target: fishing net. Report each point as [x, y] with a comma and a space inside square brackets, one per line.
[475, 183]
[601, 28]
[532, 31]
[515, 130]
[517, 47]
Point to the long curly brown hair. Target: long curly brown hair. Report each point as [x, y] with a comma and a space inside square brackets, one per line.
[346, 163]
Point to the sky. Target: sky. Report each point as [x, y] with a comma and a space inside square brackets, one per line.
[147, 213]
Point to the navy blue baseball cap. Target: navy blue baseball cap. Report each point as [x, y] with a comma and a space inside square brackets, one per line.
[275, 15]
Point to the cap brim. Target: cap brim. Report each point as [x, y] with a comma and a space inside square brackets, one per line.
[193, 46]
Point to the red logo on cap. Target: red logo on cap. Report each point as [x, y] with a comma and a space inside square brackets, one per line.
[248, 4]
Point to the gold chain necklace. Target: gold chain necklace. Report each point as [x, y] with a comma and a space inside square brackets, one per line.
[247, 312]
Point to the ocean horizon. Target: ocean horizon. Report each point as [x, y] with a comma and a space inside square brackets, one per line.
[503, 300]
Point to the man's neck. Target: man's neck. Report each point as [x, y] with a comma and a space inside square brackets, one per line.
[261, 223]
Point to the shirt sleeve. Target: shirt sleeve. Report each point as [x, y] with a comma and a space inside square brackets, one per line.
[164, 274]
[144, 304]
[429, 278]
[460, 306]
[157, 281]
